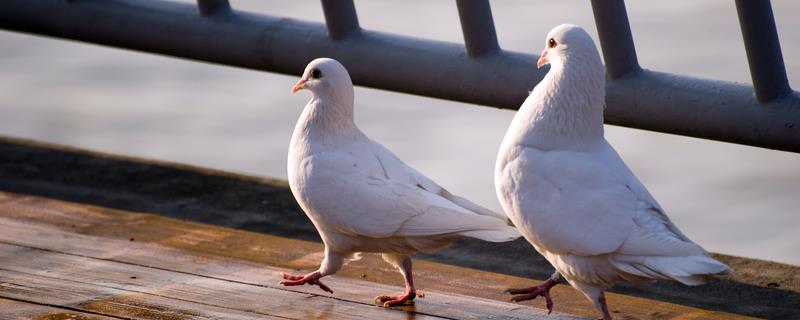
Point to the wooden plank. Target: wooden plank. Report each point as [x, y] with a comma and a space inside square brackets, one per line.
[207, 250]
[19, 310]
[137, 252]
[108, 301]
[203, 290]
[159, 258]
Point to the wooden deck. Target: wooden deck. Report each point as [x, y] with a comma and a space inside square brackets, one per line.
[62, 260]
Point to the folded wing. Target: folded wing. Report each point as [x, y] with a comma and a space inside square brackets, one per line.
[398, 202]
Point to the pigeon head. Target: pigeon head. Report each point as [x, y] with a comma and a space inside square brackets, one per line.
[326, 79]
[565, 42]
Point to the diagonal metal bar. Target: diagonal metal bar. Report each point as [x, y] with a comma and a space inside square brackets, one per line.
[647, 100]
[763, 49]
[211, 7]
[477, 25]
[340, 18]
[616, 40]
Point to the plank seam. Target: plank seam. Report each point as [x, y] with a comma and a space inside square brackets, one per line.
[66, 307]
[203, 276]
[146, 293]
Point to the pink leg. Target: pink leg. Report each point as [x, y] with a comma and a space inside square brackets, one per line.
[543, 290]
[604, 307]
[311, 278]
[408, 295]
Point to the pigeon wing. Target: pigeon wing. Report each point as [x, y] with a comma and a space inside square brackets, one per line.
[434, 215]
[397, 170]
[350, 201]
[574, 203]
[653, 233]
[590, 203]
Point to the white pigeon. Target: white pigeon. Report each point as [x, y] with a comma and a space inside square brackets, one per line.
[571, 195]
[363, 198]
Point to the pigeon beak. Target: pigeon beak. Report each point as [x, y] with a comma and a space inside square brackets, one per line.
[542, 59]
[299, 86]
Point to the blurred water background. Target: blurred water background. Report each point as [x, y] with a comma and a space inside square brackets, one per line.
[731, 199]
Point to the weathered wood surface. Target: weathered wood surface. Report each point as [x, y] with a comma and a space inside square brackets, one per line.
[59, 258]
[61, 254]
[18, 310]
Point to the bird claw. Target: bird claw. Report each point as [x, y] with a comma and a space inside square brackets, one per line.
[311, 278]
[287, 276]
[406, 298]
[522, 294]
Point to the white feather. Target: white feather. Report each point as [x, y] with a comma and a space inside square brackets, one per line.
[363, 198]
[572, 196]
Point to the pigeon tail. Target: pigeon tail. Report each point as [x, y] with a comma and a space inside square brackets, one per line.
[503, 234]
[471, 206]
[692, 270]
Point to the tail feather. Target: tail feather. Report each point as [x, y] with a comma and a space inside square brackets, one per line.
[471, 206]
[432, 243]
[443, 221]
[693, 270]
[503, 234]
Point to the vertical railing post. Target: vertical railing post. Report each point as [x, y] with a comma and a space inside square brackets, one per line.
[211, 7]
[616, 40]
[480, 37]
[763, 49]
[340, 18]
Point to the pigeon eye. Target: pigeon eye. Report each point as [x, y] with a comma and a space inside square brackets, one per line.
[551, 43]
[316, 74]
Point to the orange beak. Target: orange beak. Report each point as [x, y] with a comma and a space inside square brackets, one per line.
[542, 59]
[299, 86]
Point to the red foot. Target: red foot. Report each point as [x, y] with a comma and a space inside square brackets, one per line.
[604, 307]
[406, 298]
[543, 290]
[311, 278]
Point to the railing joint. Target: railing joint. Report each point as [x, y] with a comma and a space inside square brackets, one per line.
[616, 40]
[341, 18]
[763, 49]
[477, 25]
[212, 7]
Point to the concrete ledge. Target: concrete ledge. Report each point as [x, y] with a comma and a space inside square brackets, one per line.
[757, 288]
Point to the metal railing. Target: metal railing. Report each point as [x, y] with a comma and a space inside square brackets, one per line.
[478, 72]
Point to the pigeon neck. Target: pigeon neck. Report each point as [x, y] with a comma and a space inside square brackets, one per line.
[326, 117]
[566, 108]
